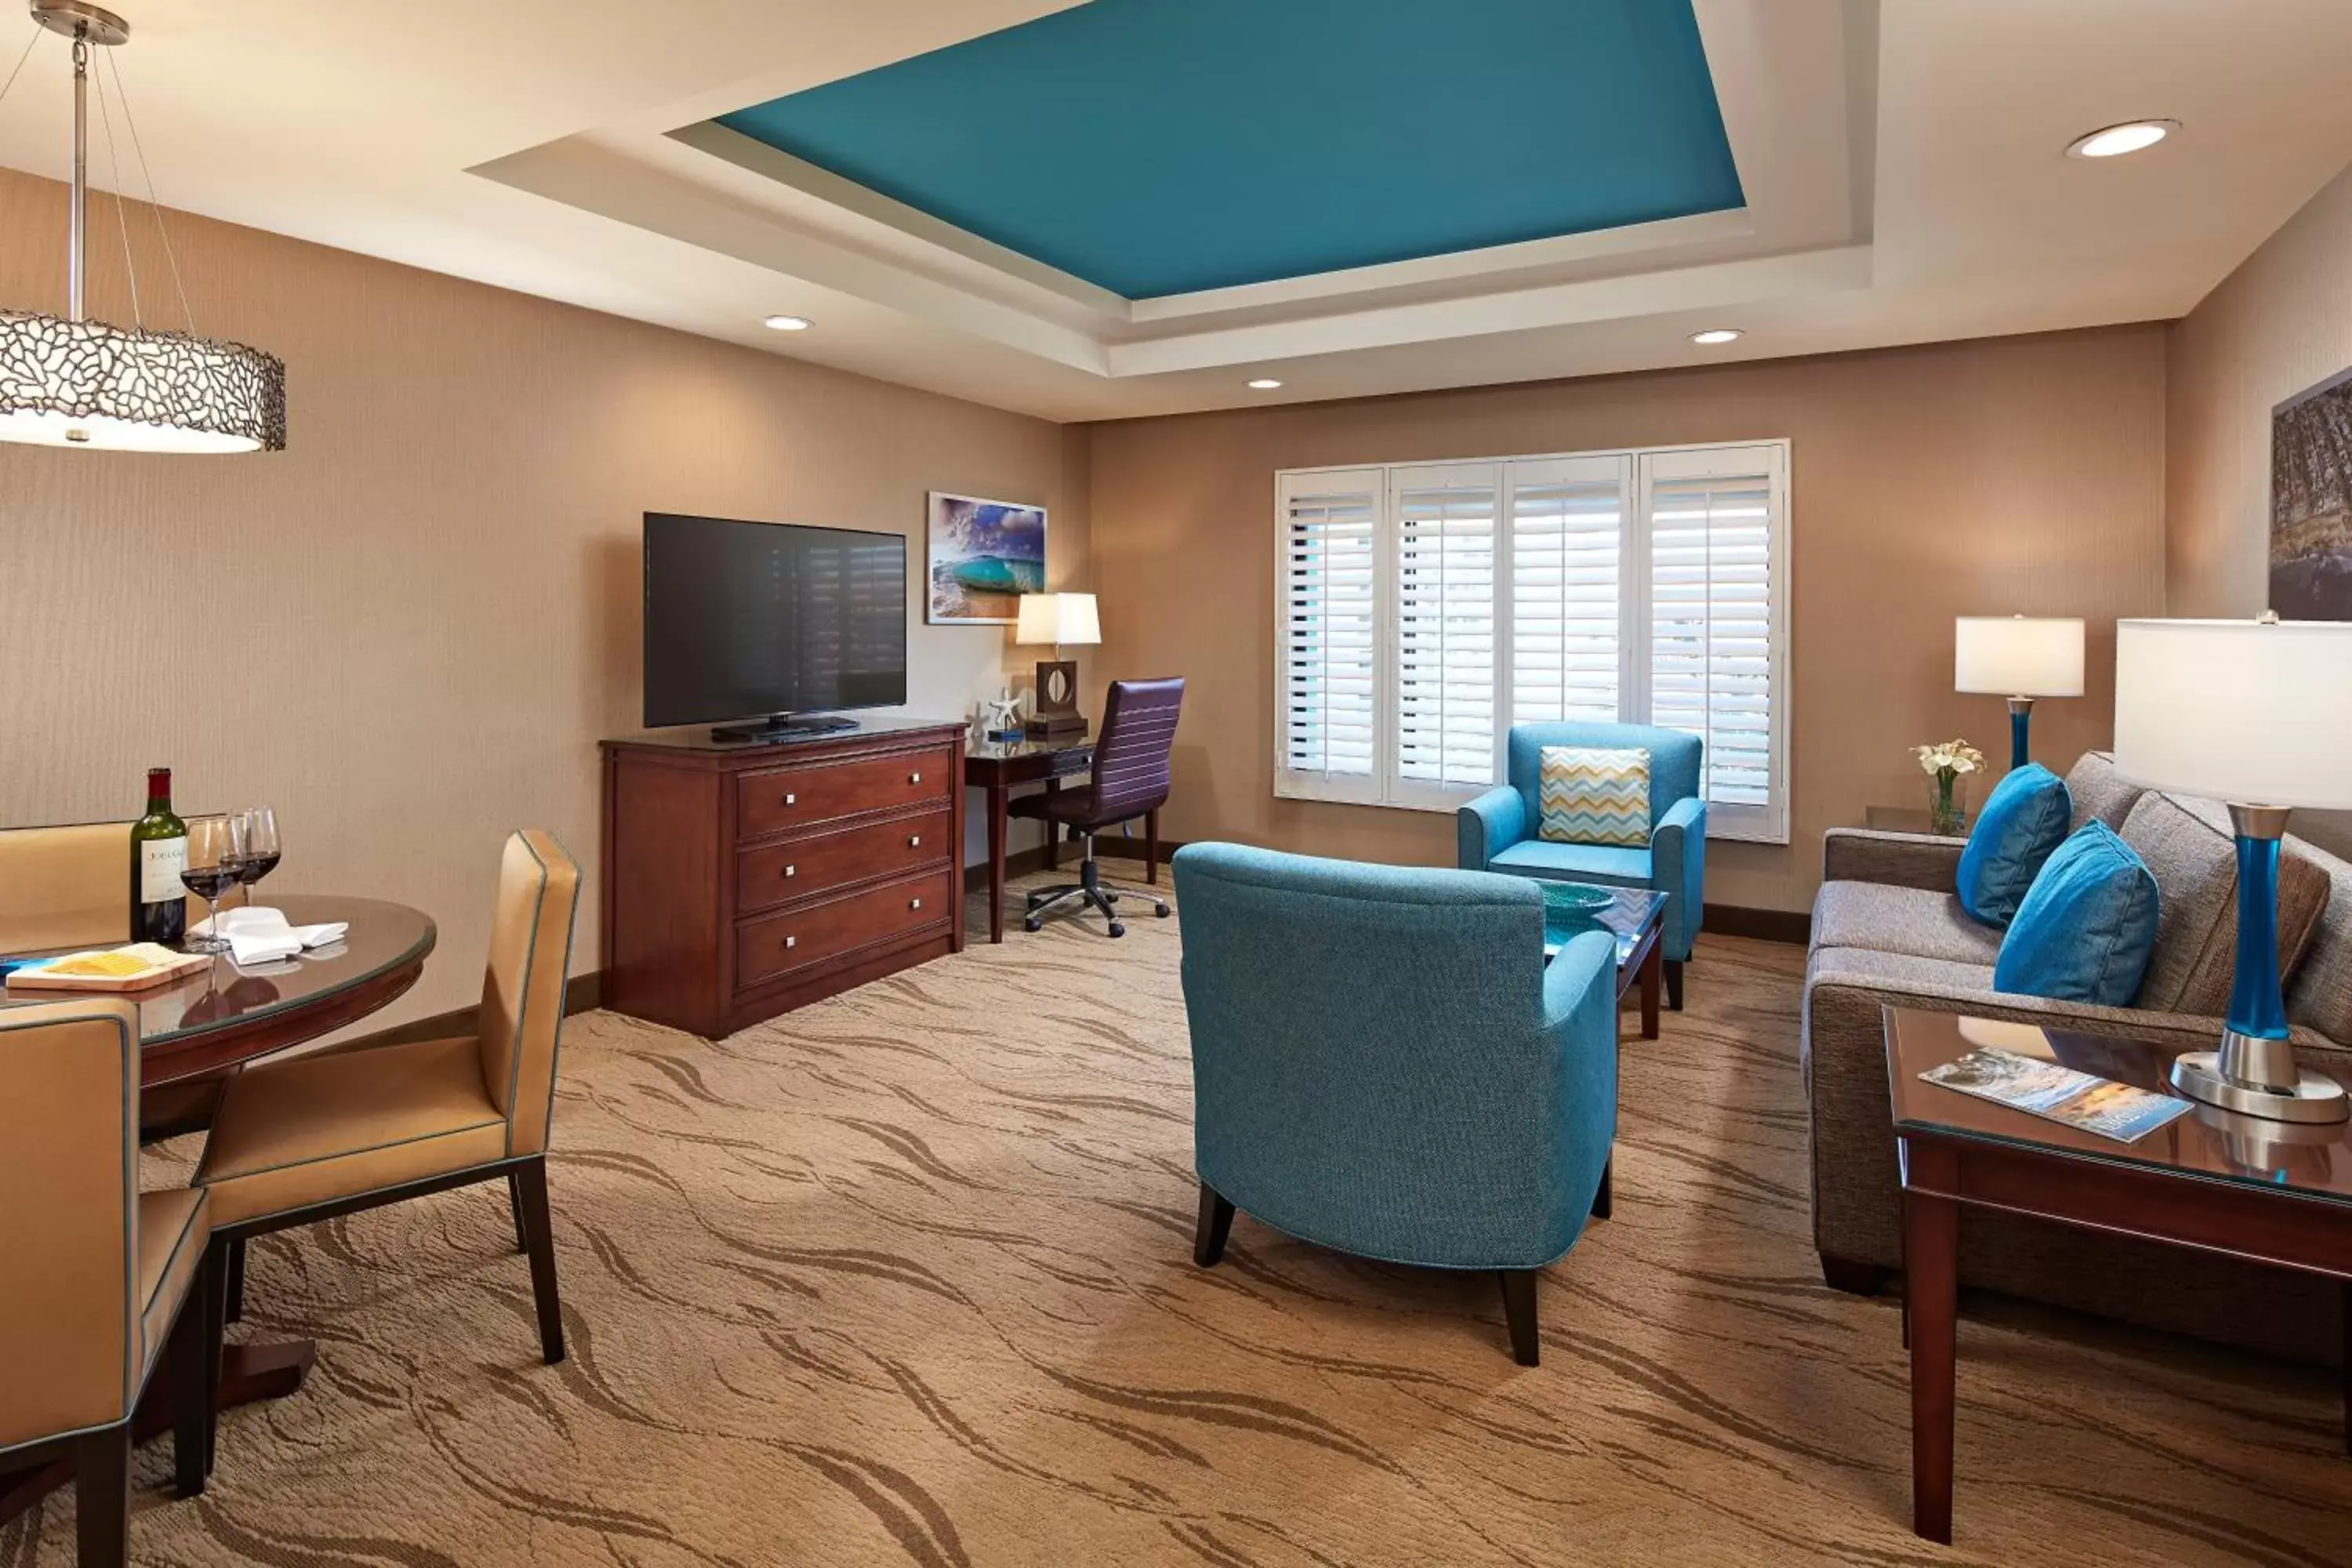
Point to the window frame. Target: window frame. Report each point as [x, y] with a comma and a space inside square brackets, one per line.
[1635, 469]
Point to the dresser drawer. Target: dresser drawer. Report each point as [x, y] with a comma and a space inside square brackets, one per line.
[803, 868]
[780, 943]
[783, 798]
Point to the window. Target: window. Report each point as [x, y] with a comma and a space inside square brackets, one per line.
[1426, 608]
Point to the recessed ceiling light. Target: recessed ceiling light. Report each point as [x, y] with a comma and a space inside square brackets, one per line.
[2115, 141]
[1715, 335]
[788, 323]
[1263, 383]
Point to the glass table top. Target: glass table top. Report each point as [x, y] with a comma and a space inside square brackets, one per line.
[2208, 1143]
[1629, 912]
[383, 937]
[1006, 751]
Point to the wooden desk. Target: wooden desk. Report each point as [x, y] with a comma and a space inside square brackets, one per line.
[996, 766]
[2268, 1191]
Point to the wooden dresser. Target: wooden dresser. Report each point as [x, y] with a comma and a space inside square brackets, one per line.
[741, 881]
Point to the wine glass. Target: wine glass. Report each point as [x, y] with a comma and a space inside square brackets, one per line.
[260, 847]
[216, 859]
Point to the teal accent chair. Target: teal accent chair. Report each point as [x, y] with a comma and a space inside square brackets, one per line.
[1382, 1063]
[1497, 831]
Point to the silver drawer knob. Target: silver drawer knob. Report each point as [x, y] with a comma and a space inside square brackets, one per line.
[914, 778]
[790, 870]
[914, 903]
[792, 800]
[790, 941]
[914, 841]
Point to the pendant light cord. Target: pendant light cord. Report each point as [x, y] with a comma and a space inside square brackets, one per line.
[170, 258]
[121, 219]
[28, 54]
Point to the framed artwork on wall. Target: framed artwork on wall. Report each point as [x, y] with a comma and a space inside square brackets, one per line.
[982, 556]
[2311, 503]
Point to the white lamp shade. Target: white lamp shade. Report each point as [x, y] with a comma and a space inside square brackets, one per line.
[2018, 656]
[1066, 619]
[2240, 712]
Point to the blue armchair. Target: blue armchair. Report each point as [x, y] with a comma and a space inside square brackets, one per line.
[1497, 830]
[1382, 1063]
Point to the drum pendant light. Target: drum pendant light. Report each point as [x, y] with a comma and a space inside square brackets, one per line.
[72, 381]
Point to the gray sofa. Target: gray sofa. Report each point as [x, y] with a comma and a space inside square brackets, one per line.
[1888, 931]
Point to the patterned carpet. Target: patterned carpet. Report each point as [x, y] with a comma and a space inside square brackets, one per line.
[906, 1278]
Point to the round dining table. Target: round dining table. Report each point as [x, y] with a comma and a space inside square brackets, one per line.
[212, 1022]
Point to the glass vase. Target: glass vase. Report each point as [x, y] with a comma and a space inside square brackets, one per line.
[1948, 804]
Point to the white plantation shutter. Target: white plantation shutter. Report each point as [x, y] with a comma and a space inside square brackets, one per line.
[1568, 523]
[1425, 609]
[1715, 521]
[1444, 659]
[1328, 629]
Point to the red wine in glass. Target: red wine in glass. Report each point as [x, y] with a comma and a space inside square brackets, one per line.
[209, 882]
[261, 850]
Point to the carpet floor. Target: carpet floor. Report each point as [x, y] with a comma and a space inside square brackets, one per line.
[905, 1277]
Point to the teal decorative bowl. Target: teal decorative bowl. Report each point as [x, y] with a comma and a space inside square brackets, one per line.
[1575, 897]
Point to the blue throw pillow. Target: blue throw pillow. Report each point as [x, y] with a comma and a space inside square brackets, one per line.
[2086, 927]
[2023, 820]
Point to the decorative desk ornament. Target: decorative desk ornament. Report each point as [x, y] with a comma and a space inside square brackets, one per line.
[2258, 714]
[1001, 718]
[1946, 765]
[2019, 657]
[1059, 619]
[72, 381]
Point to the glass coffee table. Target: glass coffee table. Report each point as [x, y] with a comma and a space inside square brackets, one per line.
[1635, 917]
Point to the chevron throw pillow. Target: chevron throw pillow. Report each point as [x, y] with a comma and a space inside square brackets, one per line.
[1594, 794]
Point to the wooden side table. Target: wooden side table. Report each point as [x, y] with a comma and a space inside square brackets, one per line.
[2266, 1191]
[1906, 819]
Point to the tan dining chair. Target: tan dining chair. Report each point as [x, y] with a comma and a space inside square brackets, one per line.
[317, 1137]
[69, 885]
[99, 1276]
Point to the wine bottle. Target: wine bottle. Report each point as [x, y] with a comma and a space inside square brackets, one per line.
[158, 853]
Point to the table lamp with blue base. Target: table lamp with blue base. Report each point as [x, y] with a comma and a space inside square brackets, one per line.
[2257, 714]
[2019, 657]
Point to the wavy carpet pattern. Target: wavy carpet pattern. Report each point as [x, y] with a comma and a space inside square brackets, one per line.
[905, 1279]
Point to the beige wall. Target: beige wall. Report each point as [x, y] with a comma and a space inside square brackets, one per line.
[2009, 475]
[408, 630]
[2281, 322]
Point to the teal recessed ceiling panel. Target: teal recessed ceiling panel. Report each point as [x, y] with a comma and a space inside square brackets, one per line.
[1159, 147]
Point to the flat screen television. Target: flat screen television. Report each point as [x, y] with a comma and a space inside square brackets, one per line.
[773, 622]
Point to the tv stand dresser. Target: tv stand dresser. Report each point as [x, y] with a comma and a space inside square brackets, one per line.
[742, 880]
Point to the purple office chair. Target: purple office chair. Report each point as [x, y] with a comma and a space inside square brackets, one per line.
[1130, 778]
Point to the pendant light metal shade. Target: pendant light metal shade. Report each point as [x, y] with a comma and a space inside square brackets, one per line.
[69, 381]
[85, 383]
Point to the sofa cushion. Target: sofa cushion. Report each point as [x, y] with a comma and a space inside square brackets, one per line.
[2319, 988]
[1869, 966]
[1609, 863]
[2099, 793]
[1887, 919]
[1593, 795]
[2189, 846]
[2086, 927]
[2024, 819]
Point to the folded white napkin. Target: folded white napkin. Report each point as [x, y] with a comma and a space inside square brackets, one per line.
[263, 936]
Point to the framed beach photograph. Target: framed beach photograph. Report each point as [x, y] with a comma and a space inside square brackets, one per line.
[2311, 503]
[982, 556]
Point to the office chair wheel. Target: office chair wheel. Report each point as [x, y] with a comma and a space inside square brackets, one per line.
[1162, 911]
[1033, 924]
[1117, 929]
